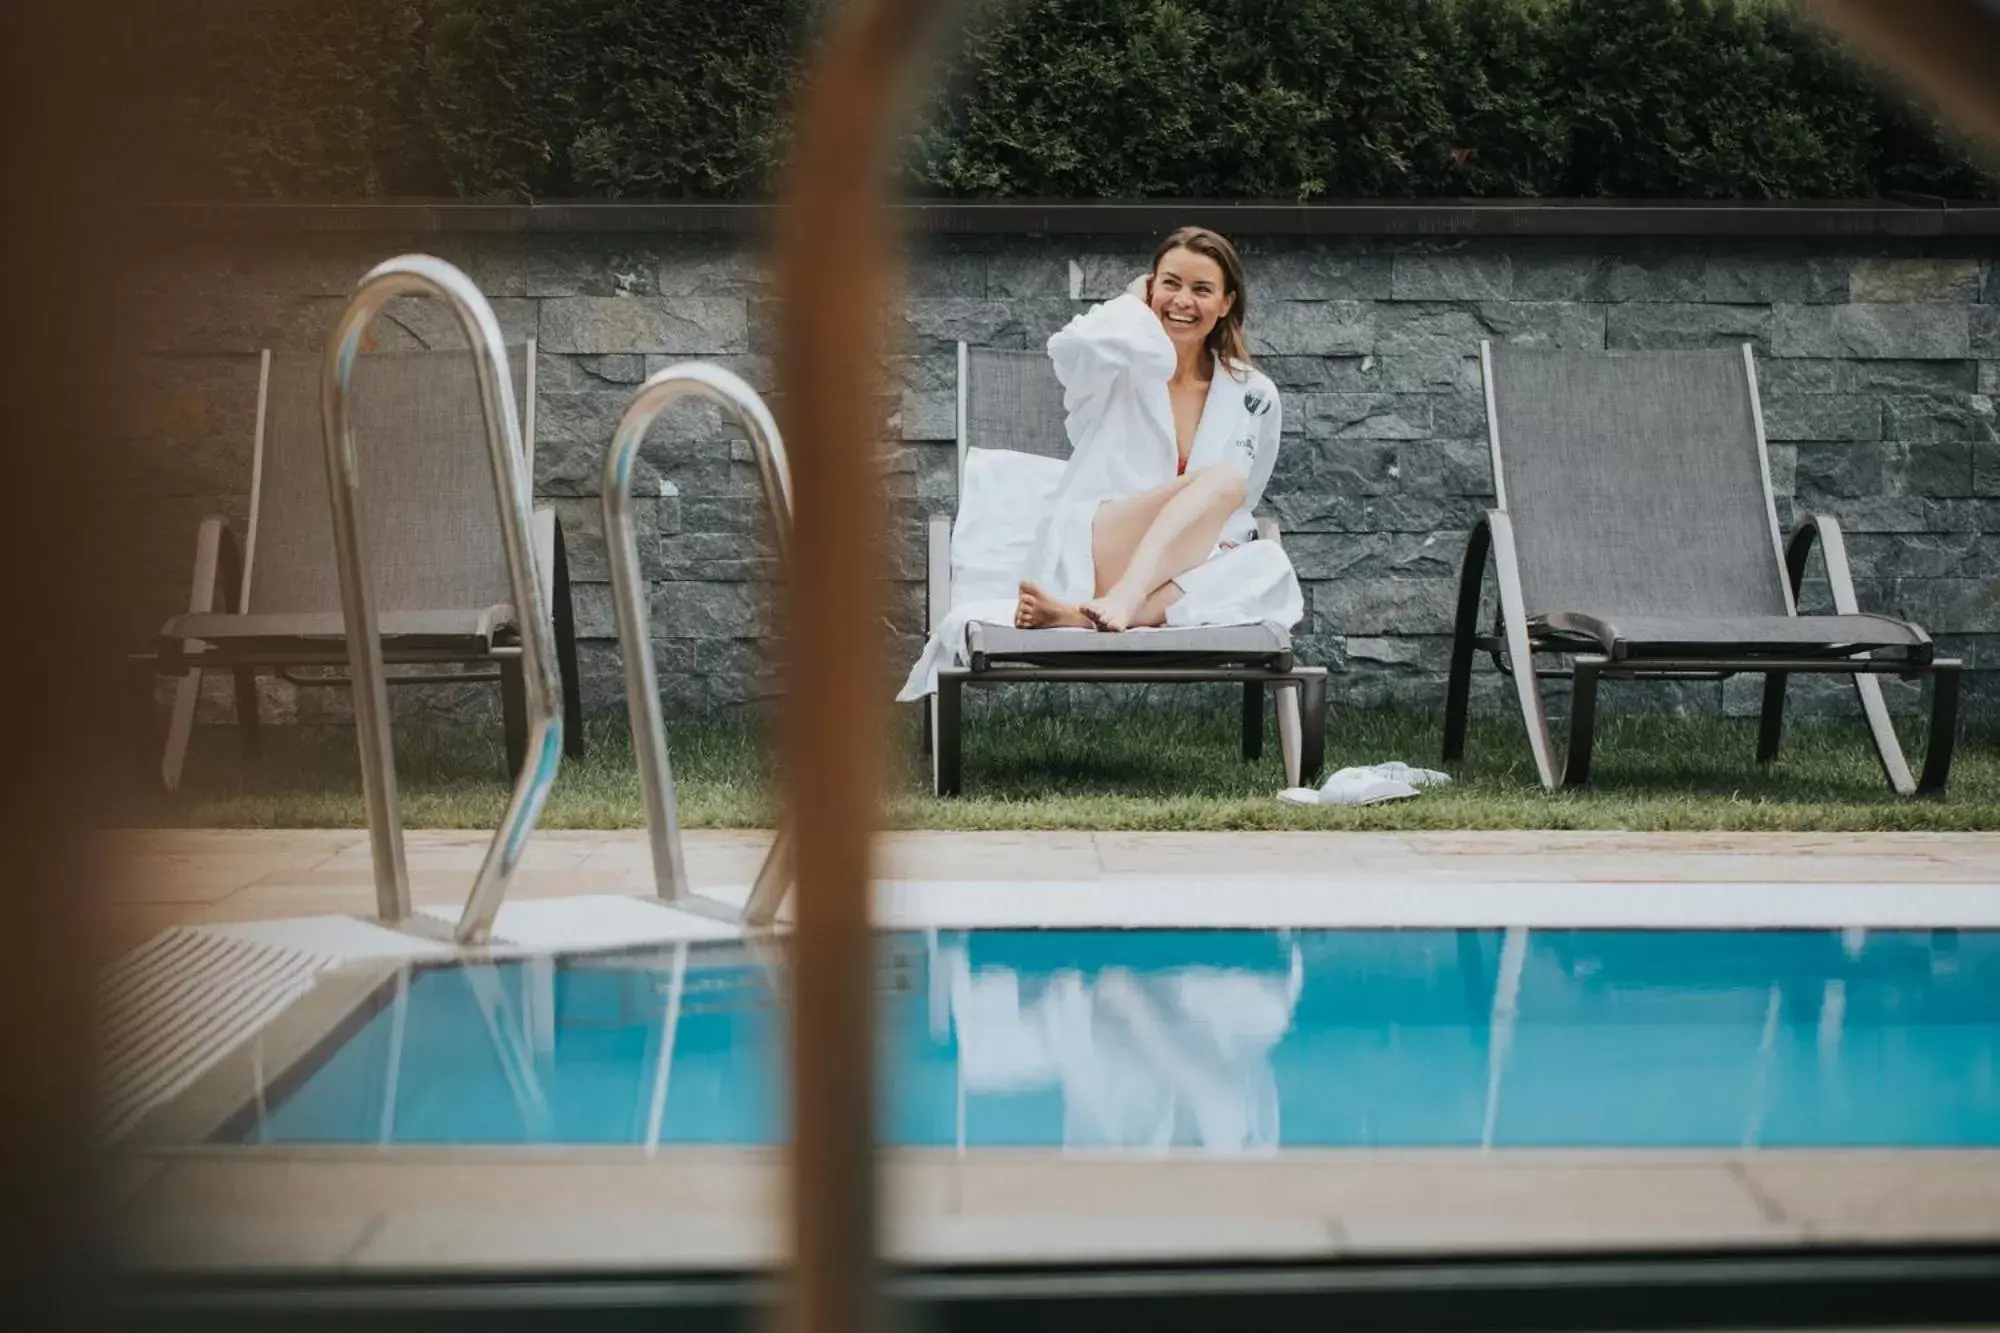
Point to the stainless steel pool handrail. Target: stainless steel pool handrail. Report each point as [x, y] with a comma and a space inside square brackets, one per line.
[422, 275]
[728, 391]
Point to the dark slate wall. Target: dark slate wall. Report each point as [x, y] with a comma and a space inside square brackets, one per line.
[1879, 361]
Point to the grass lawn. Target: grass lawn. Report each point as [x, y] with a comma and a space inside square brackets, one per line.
[1129, 771]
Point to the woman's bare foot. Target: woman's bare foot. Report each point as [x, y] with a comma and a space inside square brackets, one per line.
[1110, 613]
[1038, 610]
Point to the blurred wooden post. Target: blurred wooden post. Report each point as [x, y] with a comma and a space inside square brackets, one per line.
[1948, 50]
[836, 279]
[67, 257]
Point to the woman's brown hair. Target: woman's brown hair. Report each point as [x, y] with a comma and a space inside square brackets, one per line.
[1225, 341]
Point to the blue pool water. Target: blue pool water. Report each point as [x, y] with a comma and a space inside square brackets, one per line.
[1223, 1041]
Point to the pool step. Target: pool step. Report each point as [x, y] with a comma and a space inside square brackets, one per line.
[173, 1007]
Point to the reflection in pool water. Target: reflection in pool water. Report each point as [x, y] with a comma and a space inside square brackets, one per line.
[1223, 1042]
[1140, 1060]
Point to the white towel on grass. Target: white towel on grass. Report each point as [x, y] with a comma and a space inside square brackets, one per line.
[1367, 786]
[1416, 777]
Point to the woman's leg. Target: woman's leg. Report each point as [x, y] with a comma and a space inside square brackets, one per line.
[1133, 565]
[1115, 532]
[1118, 526]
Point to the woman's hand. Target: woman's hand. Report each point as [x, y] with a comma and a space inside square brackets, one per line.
[1141, 287]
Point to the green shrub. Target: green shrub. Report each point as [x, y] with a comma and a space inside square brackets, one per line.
[281, 97]
[1268, 99]
[612, 98]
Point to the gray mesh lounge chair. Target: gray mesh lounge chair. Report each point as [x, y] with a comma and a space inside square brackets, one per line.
[273, 601]
[1012, 400]
[1637, 534]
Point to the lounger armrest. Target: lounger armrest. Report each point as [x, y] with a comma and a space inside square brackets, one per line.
[1506, 564]
[1825, 529]
[216, 585]
[1267, 530]
[1833, 546]
[937, 585]
[217, 582]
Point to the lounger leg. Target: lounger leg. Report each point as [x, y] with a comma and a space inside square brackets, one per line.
[217, 569]
[1312, 749]
[1582, 722]
[1253, 721]
[1944, 727]
[249, 732]
[1840, 580]
[1771, 726]
[929, 728]
[773, 882]
[1521, 650]
[1465, 629]
[1291, 734]
[249, 724]
[180, 728]
[946, 759]
[1888, 748]
[564, 615]
[514, 714]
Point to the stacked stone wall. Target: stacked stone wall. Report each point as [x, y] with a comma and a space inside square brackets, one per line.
[1879, 363]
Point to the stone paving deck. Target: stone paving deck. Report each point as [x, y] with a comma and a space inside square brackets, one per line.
[184, 877]
[700, 1208]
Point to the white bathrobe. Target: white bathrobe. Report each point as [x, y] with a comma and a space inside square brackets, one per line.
[1114, 361]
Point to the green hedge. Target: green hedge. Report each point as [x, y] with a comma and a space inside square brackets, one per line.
[1274, 99]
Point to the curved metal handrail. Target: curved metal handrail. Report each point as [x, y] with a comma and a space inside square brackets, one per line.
[728, 391]
[421, 275]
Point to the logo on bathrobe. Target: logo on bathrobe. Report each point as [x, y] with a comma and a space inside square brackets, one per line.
[1256, 404]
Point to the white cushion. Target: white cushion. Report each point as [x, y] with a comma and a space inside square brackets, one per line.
[1002, 498]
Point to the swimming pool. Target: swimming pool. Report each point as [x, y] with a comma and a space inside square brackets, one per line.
[1217, 1041]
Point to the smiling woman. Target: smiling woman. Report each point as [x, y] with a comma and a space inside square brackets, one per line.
[1173, 435]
